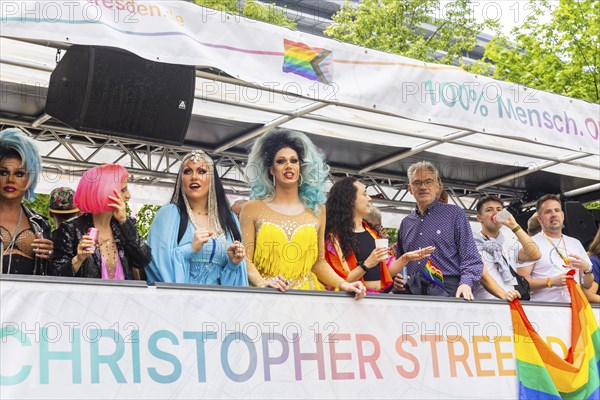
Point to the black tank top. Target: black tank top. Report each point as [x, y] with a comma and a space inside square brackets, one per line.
[366, 245]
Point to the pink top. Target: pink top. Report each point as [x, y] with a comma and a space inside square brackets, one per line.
[119, 275]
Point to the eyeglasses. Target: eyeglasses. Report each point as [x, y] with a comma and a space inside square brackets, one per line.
[426, 182]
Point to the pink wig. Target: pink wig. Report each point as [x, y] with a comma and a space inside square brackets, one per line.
[96, 185]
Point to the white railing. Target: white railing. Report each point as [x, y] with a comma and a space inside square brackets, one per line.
[86, 338]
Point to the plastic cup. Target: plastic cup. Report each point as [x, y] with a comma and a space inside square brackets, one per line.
[501, 216]
[381, 243]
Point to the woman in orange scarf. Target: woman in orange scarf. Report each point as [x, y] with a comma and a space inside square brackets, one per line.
[350, 242]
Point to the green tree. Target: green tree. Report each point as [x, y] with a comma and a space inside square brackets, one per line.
[560, 56]
[40, 206]
[223, 5]
[251, 9]
[595, 205]
[145, 216]
[392, 235]
[396, 26]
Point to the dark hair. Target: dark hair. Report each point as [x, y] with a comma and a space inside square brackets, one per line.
[62, 217]
[226, 219]
[9, 152]
[484, 200]
[545, 198]
[594, 249]
[313, 168]
[281, 140]
[340, 214]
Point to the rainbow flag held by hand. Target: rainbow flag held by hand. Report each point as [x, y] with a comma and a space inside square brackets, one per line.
[309, 62]
[433, 274]
[542, 373]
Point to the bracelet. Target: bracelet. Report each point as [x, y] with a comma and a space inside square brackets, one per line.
[589, 271]
[548, 282]
[516, 228]
[363, 266]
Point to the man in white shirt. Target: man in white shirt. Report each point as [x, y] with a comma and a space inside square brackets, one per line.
[560, 253]
[498, 254]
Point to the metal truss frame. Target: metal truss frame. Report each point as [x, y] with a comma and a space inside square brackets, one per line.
[156, 164]
[152, 164]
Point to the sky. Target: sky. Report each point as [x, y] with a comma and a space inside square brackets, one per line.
[509, 13]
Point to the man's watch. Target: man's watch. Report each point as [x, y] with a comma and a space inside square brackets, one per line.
[589, 271]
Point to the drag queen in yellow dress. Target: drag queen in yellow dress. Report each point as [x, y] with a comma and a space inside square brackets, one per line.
[283, 226]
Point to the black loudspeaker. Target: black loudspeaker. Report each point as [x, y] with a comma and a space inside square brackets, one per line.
[579, 222]
[596, 215]
[111, 91]
[523, 218]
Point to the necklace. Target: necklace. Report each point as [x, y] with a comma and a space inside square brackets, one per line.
[109, 255]
[564, 246]
[102, 240]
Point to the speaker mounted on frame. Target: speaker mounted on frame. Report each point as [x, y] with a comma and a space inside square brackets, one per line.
[115, 92]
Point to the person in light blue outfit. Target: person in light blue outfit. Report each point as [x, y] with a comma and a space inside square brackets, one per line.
[196, 238]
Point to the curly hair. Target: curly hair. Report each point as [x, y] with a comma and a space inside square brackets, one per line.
[340, 214]
[313, 168]
[14, 140]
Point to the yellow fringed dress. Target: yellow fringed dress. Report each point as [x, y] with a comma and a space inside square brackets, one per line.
[292, 246]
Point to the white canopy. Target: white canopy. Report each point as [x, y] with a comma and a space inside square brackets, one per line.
[371, 112]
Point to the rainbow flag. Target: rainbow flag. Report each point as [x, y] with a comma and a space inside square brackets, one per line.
[542, 373]
[433, 274]
[310, 62]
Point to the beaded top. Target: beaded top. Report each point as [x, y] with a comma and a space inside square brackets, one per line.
[292, 246]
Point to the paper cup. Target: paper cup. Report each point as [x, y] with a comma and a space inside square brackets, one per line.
[381, 243]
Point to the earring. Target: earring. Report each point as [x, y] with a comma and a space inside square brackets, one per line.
[300, 180]
[273, 180]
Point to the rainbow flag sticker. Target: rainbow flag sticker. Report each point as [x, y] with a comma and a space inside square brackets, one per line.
[542, 373]
[433, 274]
[309, 62]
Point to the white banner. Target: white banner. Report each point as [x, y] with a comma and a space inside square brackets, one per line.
[183, 33]
[71, 340]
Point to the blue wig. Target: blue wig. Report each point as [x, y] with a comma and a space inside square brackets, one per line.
[14, 139]
[313, 168]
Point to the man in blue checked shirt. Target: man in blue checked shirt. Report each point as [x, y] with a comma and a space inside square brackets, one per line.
[445, 226]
